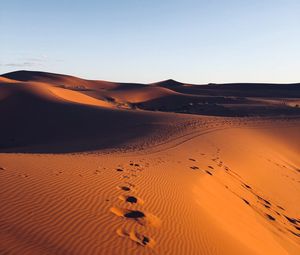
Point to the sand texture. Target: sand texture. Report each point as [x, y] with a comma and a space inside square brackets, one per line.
[96, 167]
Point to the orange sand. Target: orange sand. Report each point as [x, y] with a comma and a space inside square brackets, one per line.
[171, 184]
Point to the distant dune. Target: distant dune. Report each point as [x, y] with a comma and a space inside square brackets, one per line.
[97, 167]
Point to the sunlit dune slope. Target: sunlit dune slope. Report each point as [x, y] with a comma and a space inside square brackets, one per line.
[222, 186]
[59, 80]
[6, 80]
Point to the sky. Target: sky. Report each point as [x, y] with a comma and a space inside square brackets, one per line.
[193, 41]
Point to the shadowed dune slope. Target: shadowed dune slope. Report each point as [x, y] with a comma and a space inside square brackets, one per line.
[240, 89]
[39, 117]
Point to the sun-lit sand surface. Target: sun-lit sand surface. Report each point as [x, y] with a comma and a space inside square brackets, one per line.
[85, 169]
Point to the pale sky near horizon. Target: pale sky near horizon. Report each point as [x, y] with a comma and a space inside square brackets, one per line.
[151, 40]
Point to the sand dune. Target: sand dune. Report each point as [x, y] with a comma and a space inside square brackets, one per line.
[172, 96]
[59, 80]
[36, 116]
[83, 173]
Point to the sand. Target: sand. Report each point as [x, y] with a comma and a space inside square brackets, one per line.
[120, 181]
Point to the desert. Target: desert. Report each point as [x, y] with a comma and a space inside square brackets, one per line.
[98, 167]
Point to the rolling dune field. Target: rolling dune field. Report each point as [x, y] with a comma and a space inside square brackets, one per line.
[96, 167]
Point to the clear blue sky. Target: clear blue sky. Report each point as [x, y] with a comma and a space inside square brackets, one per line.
[149, 40]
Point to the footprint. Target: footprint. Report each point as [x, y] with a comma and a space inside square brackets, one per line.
[131, 199]
[291, 220]
[136, 215]
[246, 201]
[194, 167]
[280, 207]
[247, 186]
[191, 159]
[119, 170]
[296, 234]
[2, 168]
[125, 188]
[270, 217]
[298, 228]
[136, 237]
[208, 172]
[264, 200]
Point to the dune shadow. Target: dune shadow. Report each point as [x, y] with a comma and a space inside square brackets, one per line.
[33, 125]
